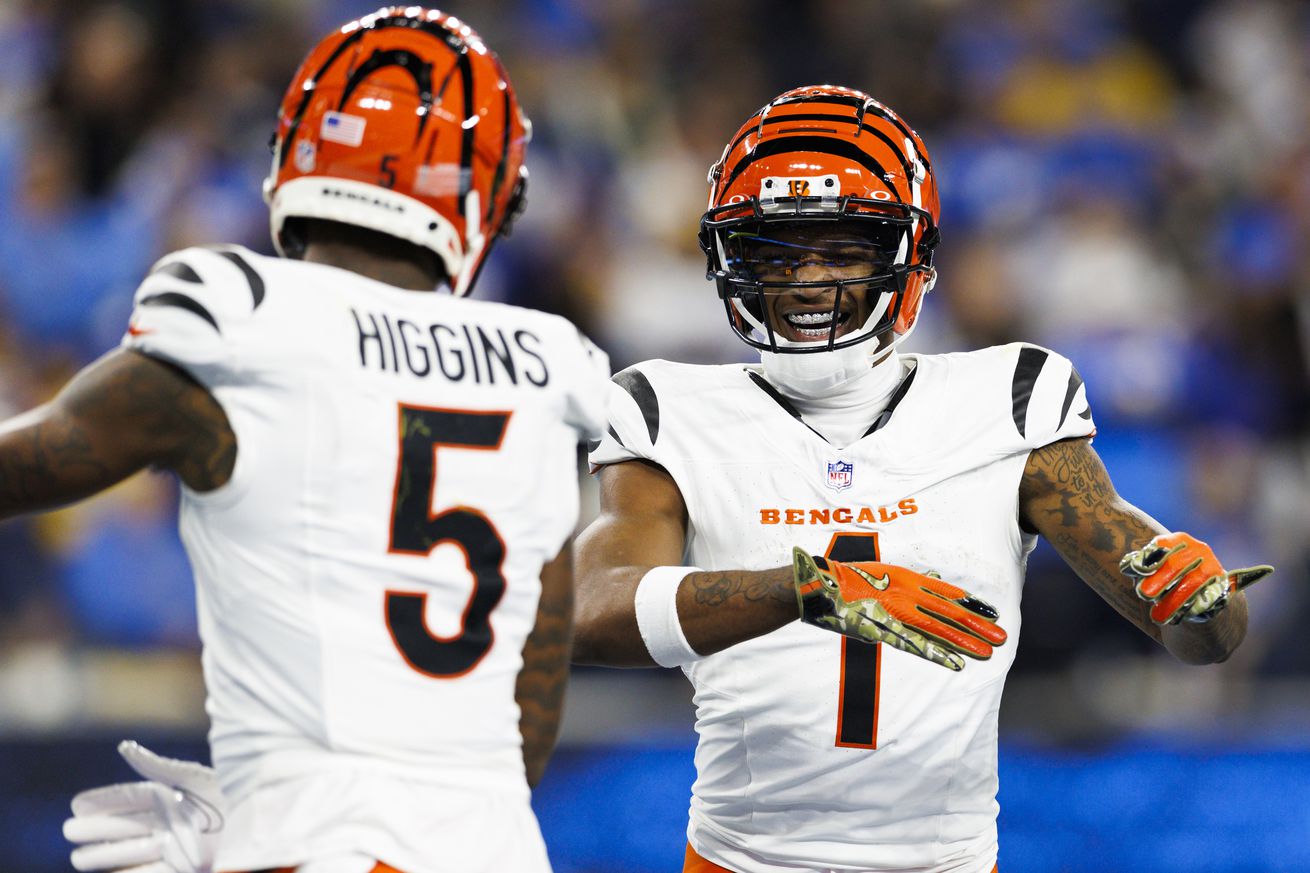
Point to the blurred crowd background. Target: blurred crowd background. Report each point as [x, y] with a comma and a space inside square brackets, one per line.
[1125, 182]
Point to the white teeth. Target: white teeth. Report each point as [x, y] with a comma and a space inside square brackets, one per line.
[810, 318]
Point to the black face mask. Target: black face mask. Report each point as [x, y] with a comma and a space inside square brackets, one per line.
[756, 249]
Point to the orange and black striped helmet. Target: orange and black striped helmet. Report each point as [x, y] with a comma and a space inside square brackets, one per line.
[402, 122]
[822, 162]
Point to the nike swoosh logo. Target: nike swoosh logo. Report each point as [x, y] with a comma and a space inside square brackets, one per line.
[880, 583]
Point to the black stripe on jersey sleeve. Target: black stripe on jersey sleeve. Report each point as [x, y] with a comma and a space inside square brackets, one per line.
[179, 270]
[256, 281]
[181, 301]
[613, 433]
[1075, 382]
[1031, 361]
[639, 387]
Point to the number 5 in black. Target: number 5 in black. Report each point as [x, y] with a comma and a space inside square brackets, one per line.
[415, 530]
[387, 172]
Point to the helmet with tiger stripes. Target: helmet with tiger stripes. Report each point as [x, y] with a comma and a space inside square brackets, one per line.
[814, 165]
[405, 123]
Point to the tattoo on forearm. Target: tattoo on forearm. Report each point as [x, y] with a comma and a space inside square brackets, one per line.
[541, 683]
[1068, 497]
[722, 589]
[35, 459]
[211, 446]
[122, 413]
[718, 609]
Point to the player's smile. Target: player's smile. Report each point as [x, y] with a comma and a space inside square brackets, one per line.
[809, 280]
[805, 315]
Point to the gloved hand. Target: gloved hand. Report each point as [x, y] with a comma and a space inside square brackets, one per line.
[168, 824]
[1183, 580]
[883, 603]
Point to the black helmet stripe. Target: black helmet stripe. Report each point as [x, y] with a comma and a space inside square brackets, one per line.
[309, 94]
[437, 98]
[499, 178]
[466, 145]
[808, 143]
[904, 159]
[899, 151]
[452, 40]
[420, 70]
[874, 108]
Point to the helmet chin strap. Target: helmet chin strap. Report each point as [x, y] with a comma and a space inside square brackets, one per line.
[824, 374]
[477, 241]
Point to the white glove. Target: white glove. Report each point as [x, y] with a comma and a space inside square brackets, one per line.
[168, 824]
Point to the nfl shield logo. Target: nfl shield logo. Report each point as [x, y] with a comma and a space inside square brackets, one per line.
[306, 156]
[840, 475]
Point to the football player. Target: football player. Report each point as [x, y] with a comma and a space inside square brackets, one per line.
[882, 470]
[379, 483]
[883, 479]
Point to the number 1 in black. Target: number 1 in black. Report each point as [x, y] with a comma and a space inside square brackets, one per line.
[861, 663]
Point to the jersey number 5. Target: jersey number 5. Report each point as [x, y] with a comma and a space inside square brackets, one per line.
[415, 530]
[861, 663]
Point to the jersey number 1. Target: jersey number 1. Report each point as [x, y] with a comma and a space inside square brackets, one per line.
[415, 530]
[861, 663]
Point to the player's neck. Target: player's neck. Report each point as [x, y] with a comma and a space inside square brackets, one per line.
[401, 272]
[871, 387]
[843, 414]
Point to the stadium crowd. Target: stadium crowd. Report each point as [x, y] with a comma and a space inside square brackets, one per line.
[1128, 183]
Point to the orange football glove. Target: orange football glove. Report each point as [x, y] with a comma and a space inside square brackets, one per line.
[883, 603]
[1183, 580]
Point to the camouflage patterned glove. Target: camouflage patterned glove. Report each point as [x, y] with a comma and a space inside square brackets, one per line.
[1183, 580]
[883, 603]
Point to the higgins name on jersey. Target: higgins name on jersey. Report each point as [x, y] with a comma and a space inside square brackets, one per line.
[454, 351]
[366, 580]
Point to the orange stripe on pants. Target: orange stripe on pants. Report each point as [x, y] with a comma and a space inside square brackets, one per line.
[693, 863]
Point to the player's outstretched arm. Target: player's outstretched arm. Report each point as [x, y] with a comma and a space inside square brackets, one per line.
[539, 691]
[1066, 496]
[120, 414]
[642, 526]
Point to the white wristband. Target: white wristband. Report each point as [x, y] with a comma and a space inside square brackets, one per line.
[656, 605]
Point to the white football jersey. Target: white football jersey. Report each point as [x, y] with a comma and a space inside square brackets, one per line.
[406, 463]
[821, 753]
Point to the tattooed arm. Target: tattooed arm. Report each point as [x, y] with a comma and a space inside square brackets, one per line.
[122, 413]
[539, 691]
[1066, 496]
[642, 524]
